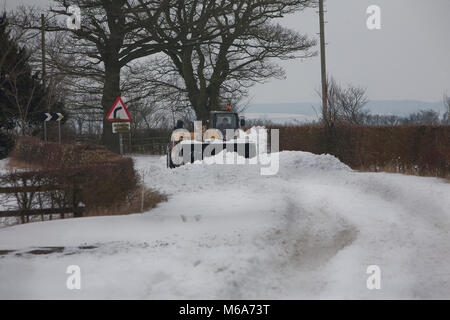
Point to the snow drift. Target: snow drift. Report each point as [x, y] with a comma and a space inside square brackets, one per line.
[309, 231]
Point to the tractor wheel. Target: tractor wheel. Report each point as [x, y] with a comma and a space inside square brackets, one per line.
[170, 164]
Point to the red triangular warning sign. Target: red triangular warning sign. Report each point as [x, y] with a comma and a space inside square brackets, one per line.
[119, 112]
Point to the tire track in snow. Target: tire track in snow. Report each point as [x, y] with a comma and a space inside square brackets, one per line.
[399, 231]
[291, 253]
[386, 226]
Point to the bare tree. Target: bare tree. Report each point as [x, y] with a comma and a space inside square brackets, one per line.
[110, 37]
[423, 117]
[21, 101]
[333, 112]
[13, 36]
[352, 101]
[22, 97]
[238, 45]
[345, 104]
[217, 50]
[446, 117]
[157, 98]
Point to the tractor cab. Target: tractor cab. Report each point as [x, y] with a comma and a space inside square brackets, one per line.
[223, 120]
[218, 120]
[210, 138]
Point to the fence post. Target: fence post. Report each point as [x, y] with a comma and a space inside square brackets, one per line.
[77, 213]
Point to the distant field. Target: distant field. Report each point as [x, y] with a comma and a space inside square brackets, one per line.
[281, 118]
[308, 111]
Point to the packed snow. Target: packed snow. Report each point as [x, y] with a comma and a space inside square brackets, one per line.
[228, 232]
[3, 165]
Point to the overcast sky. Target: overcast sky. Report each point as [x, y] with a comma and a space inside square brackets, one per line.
[409, 58]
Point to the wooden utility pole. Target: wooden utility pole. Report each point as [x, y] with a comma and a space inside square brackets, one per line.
[43, 66]
[447, 101]
[43, 48]
[323, 65]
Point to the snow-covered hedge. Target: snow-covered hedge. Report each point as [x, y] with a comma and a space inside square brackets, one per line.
[423, 150]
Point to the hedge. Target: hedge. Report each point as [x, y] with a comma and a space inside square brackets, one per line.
[422, 150]
[102, 178]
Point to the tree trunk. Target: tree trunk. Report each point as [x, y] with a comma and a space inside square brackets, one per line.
[203, 115]
[201, 109]
[111, 91]
[23, 128]
[214, 96]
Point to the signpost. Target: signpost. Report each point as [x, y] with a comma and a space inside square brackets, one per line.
[120, 118]
[46, 117]
[121, 127]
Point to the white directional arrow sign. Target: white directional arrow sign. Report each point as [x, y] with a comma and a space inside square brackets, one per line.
[52, 117]
[60, 116]
[46, 117]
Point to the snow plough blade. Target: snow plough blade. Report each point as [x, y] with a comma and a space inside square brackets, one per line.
[191, 152]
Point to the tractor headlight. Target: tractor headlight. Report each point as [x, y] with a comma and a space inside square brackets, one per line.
[177, 137]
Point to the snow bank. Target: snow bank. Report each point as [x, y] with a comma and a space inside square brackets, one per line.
[309, 231]
[3, 164]
[4, 201]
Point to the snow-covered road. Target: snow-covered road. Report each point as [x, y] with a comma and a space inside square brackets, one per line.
[310, 231]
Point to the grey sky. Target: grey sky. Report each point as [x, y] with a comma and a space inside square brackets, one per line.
[407, 59]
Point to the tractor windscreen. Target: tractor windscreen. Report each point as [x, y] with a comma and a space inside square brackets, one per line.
[226, 121]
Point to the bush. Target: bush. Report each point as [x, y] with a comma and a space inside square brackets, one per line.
[100, 177]
[423, 150]
[6, 144]
[54, 155]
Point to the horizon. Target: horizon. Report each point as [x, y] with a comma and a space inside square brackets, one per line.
[369, 100]
[305, 112]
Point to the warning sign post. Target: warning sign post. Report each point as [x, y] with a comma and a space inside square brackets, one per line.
[119, 112]
[120, 118]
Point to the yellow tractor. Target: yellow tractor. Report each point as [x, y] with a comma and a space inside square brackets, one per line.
[192, 141]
